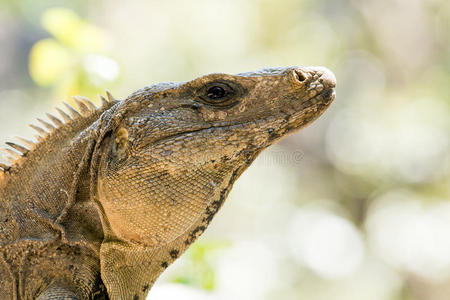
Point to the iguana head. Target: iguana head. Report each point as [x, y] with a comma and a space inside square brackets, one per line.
[178, 146]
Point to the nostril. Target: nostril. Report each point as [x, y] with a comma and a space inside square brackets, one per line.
[299, 75]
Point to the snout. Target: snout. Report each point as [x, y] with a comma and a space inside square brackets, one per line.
[316, 80]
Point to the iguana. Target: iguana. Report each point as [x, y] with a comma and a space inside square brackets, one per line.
[110, 196]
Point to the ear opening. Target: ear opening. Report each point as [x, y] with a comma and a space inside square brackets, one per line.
[121, 143]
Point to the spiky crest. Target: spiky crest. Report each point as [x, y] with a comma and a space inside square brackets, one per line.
[18, 151]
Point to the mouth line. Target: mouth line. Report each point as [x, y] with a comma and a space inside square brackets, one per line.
[323, 99]
[325, 96]
[318, 100]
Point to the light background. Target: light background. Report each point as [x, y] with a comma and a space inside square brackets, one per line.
[354, 207]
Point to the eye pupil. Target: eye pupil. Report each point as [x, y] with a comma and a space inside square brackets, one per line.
[216, 92]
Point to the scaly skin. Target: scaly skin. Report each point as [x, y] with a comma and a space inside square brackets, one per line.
[113, 197]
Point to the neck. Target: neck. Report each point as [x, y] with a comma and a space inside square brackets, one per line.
[46, 192]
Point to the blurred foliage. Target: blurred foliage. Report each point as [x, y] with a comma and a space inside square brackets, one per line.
[198, 271]
[363, 215]
[71, 62]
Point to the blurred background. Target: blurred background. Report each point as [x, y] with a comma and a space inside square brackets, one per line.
[354, 207]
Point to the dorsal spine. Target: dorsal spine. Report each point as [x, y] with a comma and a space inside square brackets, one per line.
[16, 152]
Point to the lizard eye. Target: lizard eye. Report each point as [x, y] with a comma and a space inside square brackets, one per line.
[218, 94]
